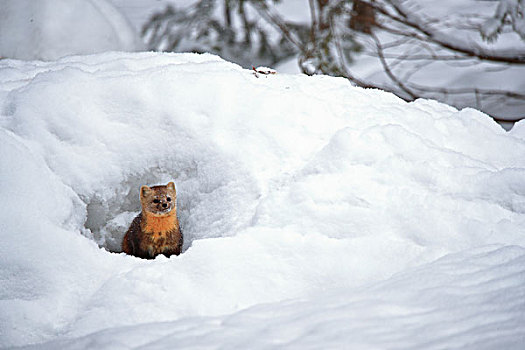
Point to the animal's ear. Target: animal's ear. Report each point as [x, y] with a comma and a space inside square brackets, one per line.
[144, 191]
[171, 186]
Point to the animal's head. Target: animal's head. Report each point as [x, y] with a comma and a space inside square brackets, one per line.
[159, 200]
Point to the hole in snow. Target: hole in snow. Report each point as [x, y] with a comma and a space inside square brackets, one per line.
[110, 213]
[214, 199]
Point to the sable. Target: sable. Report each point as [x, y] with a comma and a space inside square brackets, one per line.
[156, 229]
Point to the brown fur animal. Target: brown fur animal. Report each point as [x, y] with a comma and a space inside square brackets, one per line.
[156, 229]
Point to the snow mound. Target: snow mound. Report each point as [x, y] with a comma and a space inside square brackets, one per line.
[302, 192]
[50, 29]
[463, 301]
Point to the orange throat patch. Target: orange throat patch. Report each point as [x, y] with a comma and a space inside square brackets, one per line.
[159, 224]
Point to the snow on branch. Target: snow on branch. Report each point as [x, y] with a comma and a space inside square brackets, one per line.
[507, 10]
[417, 41]
[425, 32]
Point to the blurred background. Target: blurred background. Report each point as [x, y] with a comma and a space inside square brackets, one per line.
[467, 53]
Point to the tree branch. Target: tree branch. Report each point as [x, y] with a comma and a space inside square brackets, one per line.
[404, 17]
[389, 72]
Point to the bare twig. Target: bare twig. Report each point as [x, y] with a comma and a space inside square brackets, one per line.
[515, 57]
[277, 21]
[389, 72]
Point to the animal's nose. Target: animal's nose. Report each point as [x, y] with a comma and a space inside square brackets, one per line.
[164, 205]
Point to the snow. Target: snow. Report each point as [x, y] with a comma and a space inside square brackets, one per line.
[493, 26]
[316, 214]
[467, 301]
[50, 29]
[139, 11]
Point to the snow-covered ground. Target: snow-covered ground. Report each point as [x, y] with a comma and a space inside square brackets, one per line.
[51, 29]
[315, 214]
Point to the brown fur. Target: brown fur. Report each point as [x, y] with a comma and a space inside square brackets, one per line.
[156, 229]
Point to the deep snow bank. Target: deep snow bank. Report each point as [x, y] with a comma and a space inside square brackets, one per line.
[468, 300]
[290, 187]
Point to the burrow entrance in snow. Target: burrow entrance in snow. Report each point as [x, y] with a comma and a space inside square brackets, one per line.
[214, 199]
[110, 211]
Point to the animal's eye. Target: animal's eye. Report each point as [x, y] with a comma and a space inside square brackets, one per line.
[168, 199]
[156, 201]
